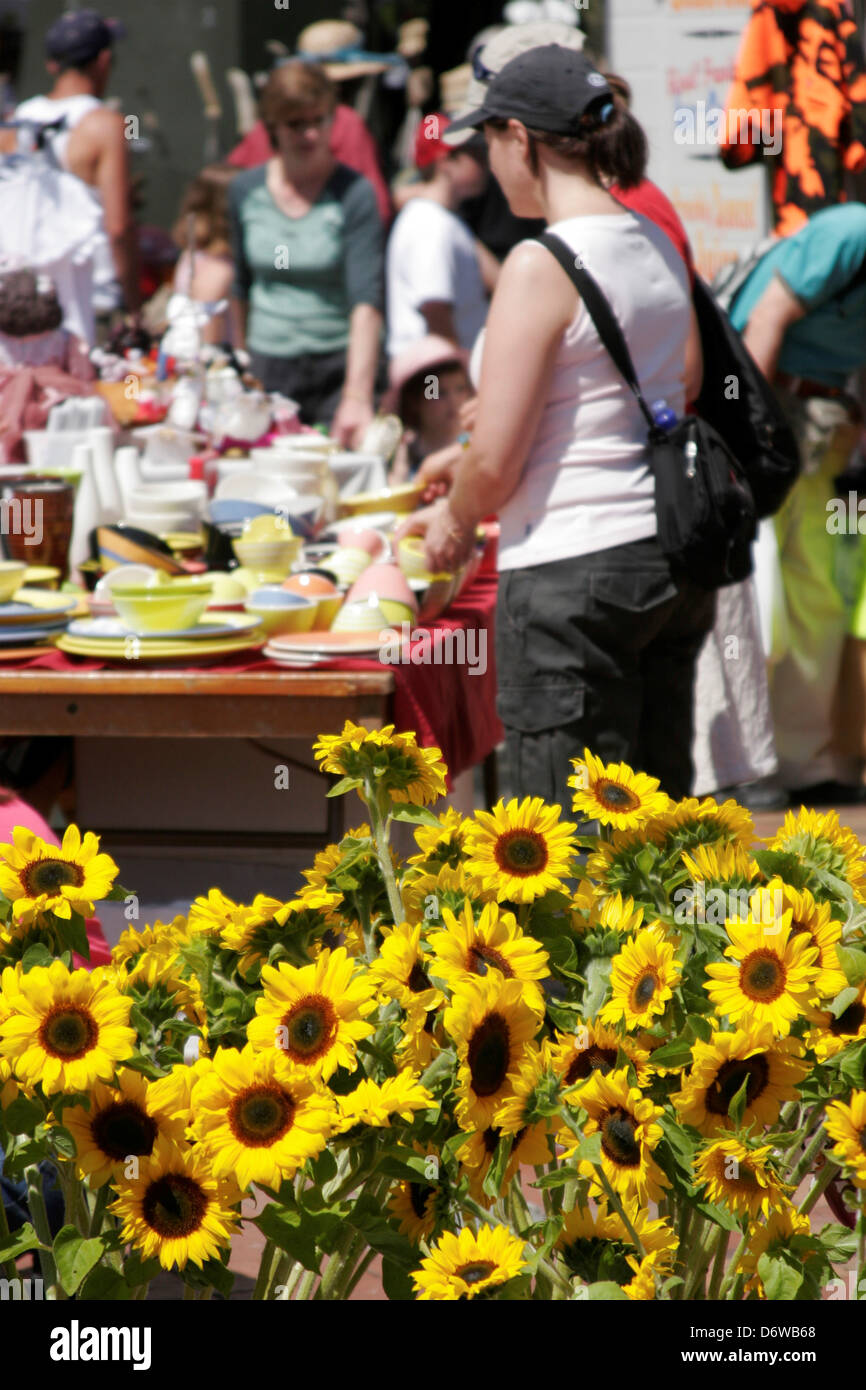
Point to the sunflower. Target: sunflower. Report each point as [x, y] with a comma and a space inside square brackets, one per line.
[259, 1118]
[421, 1038]
[425, 895]
[393, 762]
[594, 1047]
[598, 1245]
[643, 978]
[813, 919]
[466, 1265]
[327, 862]
[210, 916]
[739, 1178]
[615, 864]
[492, 1022]
[442, 845]
[847, 1125]
[520, 852]
[772, 977]
[771, 1071]
[252, 931]
[124, 1121]
[149, 954]
[401, 969]
[38, 877]
[495, 942]
[692, 822]
[615, 794]
[628, 1124]
[616, 913]
[820, 842]
[830, 1035]
[376, 1105]
[315, 1014]
[177, 1210]
[771, 1236]
[66, 1029]
[721, 864]
[319, 918]
[413, 1205]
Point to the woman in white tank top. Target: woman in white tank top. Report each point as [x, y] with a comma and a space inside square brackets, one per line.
[596, 639]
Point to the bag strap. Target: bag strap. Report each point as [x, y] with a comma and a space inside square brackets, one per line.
[602, 316]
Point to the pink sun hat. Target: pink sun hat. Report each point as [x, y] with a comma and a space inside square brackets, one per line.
[425, 356]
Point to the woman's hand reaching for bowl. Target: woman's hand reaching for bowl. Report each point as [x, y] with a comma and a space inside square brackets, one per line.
[448, 543]
[437, 471]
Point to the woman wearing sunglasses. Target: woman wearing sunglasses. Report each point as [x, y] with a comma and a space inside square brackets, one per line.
[596, 638]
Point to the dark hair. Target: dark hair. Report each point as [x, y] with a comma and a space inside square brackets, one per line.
[614, 150]
[206, 201]
[412, 394]
[291, 90]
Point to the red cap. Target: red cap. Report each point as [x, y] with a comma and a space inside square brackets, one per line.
[429, 145]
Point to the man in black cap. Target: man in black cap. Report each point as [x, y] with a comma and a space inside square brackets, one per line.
[92, 145]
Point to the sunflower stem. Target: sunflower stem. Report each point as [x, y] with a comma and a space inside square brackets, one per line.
[8, 1266]
[305, 1289]
[861, 1239]
[719, 1263]
[811, 1152]
[383, 852]
[805, 1130]
[359, 1273]
[680, 1266]
[39, 1217]
[291, 1282]
[733, 1280]
[613, 1198]
[823, 1180]
[265, 1266]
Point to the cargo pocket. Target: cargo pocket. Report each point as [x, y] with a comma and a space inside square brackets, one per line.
[638, 591]
[533, 709]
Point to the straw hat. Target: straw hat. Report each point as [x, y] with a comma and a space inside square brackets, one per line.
[509, 43]
[329, 37]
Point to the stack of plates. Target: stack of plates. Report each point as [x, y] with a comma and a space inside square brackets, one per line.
[108, 639]
[303, 649]
[34, 616]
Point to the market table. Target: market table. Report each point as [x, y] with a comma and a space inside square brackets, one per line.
[249, 698]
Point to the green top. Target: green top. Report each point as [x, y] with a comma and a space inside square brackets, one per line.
[302, 277]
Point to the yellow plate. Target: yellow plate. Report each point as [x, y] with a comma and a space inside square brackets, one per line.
[142, 652]
[45, 576]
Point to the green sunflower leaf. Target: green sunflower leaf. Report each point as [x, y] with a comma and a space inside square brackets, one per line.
[24, 1239]
[72, 934]
[63, 1142]
[777, 863]
[737, 1107]
[718, 1215]
[605, 1292]
[852, 1067]
[589, 1149]
[345, 784]
[597, 980]
[23, 1115]
[838, 1243]
[138, 1271]
[397, 1282]
[36, 955]
[852, 961]
[844, 999]
[780, 1279]
[415, 815]
[677, 1053]
[294, 1232]
[106, 1284]
[75, 1257]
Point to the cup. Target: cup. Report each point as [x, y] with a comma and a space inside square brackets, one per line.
[38, 522]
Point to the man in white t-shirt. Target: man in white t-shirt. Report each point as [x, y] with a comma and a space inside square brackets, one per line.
[434, 276]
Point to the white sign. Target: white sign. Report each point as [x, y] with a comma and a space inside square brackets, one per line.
[678, 57]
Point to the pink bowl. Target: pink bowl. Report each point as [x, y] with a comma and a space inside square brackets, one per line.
[362, 538]
[388, 581]
[310, 585]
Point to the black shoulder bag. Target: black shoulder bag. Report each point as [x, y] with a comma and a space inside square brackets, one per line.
[704, 506]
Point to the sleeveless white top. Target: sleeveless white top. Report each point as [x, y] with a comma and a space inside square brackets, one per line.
[106, 290]
[586, 485]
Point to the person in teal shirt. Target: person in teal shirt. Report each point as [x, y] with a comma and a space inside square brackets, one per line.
[307, 242]
[802, 313]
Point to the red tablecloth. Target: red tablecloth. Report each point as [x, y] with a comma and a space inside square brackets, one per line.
[448, 698]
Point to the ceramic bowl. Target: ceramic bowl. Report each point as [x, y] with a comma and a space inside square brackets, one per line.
[357, 536]
[364, 616]
[127, 576]
[11, 578]
[314, 443]
[347, 565]
[322, 591]
[268, 528]
[161, 610]
[412, 557]
[386, 581]
[279, 611]
[402, 499]
[275, 555]
[235, 511]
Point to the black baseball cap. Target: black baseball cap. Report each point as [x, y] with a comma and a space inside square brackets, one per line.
[551, 88]
[79, 36]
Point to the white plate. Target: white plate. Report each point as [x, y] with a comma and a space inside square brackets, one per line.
[231, 626]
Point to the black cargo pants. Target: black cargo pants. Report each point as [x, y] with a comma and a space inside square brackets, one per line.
[599, 651]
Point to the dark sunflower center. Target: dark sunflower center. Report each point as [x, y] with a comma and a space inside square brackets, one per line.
[418, 979]
[261, 1115]
[174, 1206]
[49, 875]
[122, 1129]
[491, 1139]
[480, 957]
[489, 1053]
[616, 797]
[311, 1026]
[850, 1022]
[618, 1138]
[762, 976]
[474, 1273]
[798, 927]
[592, 1059]
[521, 853]
[418, 1195]
[644, 990]
[68, 1031]
[755, 1071]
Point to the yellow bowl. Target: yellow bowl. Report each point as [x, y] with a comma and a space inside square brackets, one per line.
[277, 556]
[11, 578]
[276, 621]
[326, 612]
[402, 499]
[267, 527]
[161, 610]
[42, 577]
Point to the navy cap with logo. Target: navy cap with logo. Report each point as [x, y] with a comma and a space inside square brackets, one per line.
[551, 88]
[80, 36]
